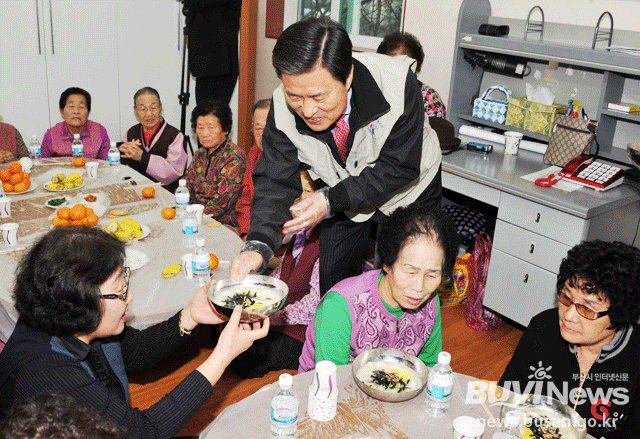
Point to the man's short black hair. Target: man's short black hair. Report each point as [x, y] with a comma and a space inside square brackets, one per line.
[58, 281]
[263, 104]
[217, 108]
[74, 91]
[406, 42]
[312, 43]
[408, 223]
[608, 269]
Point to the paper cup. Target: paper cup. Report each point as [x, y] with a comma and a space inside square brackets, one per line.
[512, 142]
[323, 392]
[5, 207]
[10, 233]
[92, 170]
[198, 209]
[187, 269]
[467, 427]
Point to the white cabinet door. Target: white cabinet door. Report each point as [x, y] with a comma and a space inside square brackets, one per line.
[82, 51]
[23, 74]
[150, 55]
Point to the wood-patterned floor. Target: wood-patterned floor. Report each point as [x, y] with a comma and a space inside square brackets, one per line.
[476, 353]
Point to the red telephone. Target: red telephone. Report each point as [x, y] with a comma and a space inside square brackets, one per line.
[585, 171]
[576, 165]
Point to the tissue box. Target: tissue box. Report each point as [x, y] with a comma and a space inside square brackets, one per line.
[532, 116]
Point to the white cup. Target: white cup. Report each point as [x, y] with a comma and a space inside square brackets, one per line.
[198, 209]
[10, 233]
[467, 427]
[5, 207]
[92, 169]
[187, 268]
[512, 142]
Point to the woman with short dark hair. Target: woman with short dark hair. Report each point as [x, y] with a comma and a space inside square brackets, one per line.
[585, 352]
[395, 307]
[214, 177]
[72, 294]
[75, 106]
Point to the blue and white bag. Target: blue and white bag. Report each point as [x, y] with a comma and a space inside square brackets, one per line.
[491, 109]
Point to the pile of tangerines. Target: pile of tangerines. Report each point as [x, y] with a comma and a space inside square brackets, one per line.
[78, 215]
[14, 180]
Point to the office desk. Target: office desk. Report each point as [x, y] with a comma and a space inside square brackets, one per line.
[536, 226]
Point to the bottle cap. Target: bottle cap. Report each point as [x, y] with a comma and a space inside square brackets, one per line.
[512, 419]
[199, 242]
[182, 182]
[113, 144]
[285, 381]
[76, 136]
[190, 208]
[34, 136]
[444, 358]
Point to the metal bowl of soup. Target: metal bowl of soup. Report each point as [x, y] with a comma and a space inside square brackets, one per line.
[260, 296]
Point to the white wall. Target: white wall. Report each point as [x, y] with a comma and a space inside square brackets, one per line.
[435, 22]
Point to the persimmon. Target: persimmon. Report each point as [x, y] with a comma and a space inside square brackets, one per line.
[15, 167]
[8, 187]
[16, 178]
[5, 175]
[20, 187]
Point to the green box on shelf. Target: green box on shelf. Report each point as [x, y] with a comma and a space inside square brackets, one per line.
[532, 116]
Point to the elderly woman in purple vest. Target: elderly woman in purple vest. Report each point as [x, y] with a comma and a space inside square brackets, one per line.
[153, 147]
[75, 105]
[395, 307]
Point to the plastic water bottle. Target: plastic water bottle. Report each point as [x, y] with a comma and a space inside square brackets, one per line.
[201, 262]
[182, 198]
[35, 150]
[189, 229]
[114, 155]
[440, 386]
[284, 410]
[510, 428]
[77, 149]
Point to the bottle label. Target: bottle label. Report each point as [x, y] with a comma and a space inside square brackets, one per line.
[114, 158]
[200, 264]
[284, 418]
[440, 387]
[190, 227]
[182, 200]
[77, 149]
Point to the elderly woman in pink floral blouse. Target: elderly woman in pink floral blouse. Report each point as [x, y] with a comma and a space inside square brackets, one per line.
[214, 177]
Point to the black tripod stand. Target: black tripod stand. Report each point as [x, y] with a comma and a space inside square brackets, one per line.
[183, 97]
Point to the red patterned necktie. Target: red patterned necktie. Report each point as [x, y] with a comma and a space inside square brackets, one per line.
[340, 134]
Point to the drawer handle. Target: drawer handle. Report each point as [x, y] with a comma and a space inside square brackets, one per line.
[538, 218]
[526, 278]
[532, 247]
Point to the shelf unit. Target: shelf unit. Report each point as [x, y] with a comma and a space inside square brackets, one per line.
[560, 45]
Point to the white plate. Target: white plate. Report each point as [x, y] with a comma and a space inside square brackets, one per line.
[66, 203]
[145, 230]
[63, 190]
[31, 189]
[135, 258]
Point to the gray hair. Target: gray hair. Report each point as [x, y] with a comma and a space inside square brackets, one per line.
[146, 91]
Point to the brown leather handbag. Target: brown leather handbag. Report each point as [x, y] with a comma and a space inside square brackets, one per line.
[570, 137]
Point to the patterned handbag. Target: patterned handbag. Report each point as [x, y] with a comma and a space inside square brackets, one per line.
[570, 137]
[492, 110]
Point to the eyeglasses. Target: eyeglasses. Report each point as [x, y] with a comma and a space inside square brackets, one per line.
[123, 296]
[584, 311]
[152, 109]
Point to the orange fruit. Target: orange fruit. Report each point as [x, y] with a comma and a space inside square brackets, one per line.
[148, 192]
[89, 211]
[64, 213]
[8, 187]
[65, 223]
[78, 212]
[56, 221]
[78, 162]
[15, 167]
[16, 178]
[214, 261]
[168, 213]
[27, 183]
[77, 222]
[20, 187]
[92, 219]
[5, 175]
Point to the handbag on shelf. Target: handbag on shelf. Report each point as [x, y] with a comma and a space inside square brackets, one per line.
[570, 137]
[489, 109]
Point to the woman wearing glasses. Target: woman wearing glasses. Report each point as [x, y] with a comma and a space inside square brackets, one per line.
[72, 295]
[153, 147]
[585, 352]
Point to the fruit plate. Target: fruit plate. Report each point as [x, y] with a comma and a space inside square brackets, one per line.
[62, 190]
[145, 229]
[31, 189]
[64, 203]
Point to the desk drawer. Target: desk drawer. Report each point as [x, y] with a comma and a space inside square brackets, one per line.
[542, 220]
[517, 289]
[471, 188]
[528, 246]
